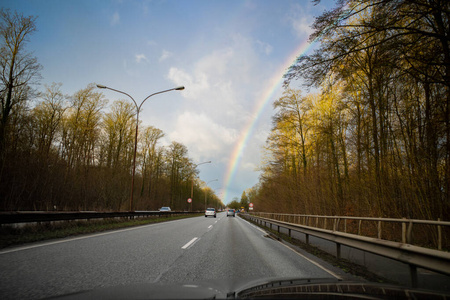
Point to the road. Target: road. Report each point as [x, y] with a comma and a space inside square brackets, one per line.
[189, 250]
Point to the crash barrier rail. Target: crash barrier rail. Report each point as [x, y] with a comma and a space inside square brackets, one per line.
[381, 228]
[30, 217]
[414, 256]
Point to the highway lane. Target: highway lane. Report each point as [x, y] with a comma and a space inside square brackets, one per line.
[189, 250]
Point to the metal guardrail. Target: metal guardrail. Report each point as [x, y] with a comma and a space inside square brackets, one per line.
[340, 223]
[30, 217]
[414, 256]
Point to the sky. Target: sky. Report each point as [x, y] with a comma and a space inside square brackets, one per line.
[229, 55]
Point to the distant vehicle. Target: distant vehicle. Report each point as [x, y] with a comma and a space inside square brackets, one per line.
[165, 209]
[210, 212]
[231, 212]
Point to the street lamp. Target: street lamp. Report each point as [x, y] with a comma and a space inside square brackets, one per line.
[138, 109]
[206, 192]
[192, 186]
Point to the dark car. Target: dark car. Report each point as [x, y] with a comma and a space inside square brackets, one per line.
[231, 212]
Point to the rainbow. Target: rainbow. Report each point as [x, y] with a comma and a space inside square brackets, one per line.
[274, 85]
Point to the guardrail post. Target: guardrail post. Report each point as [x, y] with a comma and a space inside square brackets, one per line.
[289, 231]
[413, 272]
[307, 239]
[338, 251]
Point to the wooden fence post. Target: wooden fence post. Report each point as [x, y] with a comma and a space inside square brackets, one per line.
[379, 229]
[404, 232]
[359, 227]
[409, 233]
[439, 235]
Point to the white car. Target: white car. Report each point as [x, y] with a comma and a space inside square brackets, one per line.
[165, 209]
[210, 212]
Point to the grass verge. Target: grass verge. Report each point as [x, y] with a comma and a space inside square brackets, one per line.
[10, 236]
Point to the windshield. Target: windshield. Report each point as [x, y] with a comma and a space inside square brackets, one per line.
[223, 144]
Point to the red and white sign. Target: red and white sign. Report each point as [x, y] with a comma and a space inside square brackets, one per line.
[189, 200]
[250, 205]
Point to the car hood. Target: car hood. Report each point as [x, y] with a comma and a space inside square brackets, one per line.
[267, 288]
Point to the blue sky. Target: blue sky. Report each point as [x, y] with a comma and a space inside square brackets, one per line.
[225, 53]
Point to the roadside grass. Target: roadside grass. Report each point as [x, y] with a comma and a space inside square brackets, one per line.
[10, 236]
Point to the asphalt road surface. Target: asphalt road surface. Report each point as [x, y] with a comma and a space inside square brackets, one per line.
[189, 250]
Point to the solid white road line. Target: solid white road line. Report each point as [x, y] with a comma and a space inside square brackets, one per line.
[65, 240]
[313, 262]
[190, 243]
[254, 226]
[299, 254]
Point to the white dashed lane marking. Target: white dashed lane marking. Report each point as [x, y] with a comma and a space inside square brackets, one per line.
[190, 243]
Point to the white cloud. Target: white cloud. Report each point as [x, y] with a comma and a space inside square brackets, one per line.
[223, 87]
[249, 166]
[115, 19]
[224, 82]
[165, 55]
[202, 135]
[300, 21]
[267, 48]
[141, 58]
[197, 83]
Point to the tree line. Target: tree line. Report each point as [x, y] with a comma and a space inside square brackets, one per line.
[373, 139]
[61, 152]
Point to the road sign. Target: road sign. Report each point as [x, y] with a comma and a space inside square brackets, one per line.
[250, 205]
[189, 200]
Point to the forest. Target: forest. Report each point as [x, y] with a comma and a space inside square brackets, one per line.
[75, 152]
[368, 132]
[362, 128]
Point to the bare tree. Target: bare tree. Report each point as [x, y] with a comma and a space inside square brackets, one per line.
[18, 68]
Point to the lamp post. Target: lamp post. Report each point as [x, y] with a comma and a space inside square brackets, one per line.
[138, 109]
[206, 192]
